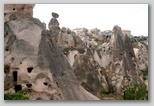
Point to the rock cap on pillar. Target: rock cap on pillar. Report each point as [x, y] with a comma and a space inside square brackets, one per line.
[54, 15]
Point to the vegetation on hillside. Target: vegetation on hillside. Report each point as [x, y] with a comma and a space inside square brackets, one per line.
[66, 50]
[20, 95]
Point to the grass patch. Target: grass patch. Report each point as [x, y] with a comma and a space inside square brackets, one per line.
[20, 95]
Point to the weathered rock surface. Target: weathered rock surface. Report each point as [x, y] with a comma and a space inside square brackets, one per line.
[103, 55]
[123, 62]
[18, 11]
[141, 54]
[54, 27]
[22, 41]
[64, 64]
[87, 74]
[55, 15]
[72, 56]
[33, 61]
[65, 39]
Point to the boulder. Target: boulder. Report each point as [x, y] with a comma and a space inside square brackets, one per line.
[55, 15]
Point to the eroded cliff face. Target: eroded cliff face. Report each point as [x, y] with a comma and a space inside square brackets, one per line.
[116, 63]
[87, 74]
[59, 64]
[123, 68]
[16, 11]
[33, 61]
[141, 54]
[22, 47]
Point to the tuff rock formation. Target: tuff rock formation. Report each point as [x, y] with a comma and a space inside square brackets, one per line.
[141, 54]
[116, 63]
[55, 15]
[15, 11]
[87, 74]
[65, 38]
[123, 69]
[54, 26]
[33, 61]
[64, 64]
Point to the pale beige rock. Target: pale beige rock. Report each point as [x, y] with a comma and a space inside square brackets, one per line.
[18, 11]
[37, 64]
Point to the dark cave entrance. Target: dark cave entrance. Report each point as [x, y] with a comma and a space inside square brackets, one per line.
[18, 88]
[15, 74]
[29, 69]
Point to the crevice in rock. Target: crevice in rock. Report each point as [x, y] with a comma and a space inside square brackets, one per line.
[54, 75]
[57, 84]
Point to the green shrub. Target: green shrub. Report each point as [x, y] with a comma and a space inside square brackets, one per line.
[66, 50]
[145, 77]
[80, 50]
[145, 71]
[135, 92]
[20, 95]
[145, 74]
[104, 91]
[120, 98]
[96, 39]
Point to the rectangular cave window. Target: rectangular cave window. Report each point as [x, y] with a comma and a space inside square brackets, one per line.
[15, 75]
[18, 88]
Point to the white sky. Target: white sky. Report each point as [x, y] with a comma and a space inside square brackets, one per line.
[133, 17]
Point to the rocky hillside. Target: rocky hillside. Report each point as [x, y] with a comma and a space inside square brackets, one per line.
[64, 64]
[33, 60]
